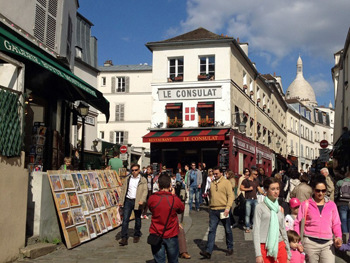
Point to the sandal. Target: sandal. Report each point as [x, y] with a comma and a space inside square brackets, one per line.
[247, 231]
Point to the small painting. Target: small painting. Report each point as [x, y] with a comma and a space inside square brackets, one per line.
[114, 199]
[42, 130]
[102, 181]
[101, 222]
[62, 201]
[90, 227]
[31, 158]
[113, 214]
[94, 202]
[104, 174]
[83, 205]
[41, 140]
[117, 193]
[96, 224]
[76, 183]
[56, 183]
[89, 203]
[87, 181]
[82, 184]
[83, 233]
[39, 159]
[92, 181]
[116, 177]
[107, 220]
[78, 215]
[39, 149]
[99, 200]
[67, 218]
[122, 172]
[73, 199]
[67, 181]
[105, 199]
[73, 239]
[110, 178]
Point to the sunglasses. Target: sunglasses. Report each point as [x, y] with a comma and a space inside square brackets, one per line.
[320, 190]
[134, 170]
[216, 173]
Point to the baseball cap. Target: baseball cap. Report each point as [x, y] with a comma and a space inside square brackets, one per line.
[294, 202]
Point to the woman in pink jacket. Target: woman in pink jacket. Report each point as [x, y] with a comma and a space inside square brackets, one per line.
[322, 222]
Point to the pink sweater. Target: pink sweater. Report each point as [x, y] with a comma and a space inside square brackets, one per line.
[297, 257]
[318, 225]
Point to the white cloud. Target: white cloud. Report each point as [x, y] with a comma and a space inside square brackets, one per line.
[320, 85]
[126, 39]
[313, 27]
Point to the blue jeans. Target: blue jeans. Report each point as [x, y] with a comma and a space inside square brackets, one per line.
[214, 219]
[129, 205]
[194, 191]
[250, 205]
[170, 246]
[344, 214]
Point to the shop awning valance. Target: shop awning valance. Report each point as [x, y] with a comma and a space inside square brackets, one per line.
[185, 135]
[173, 106]
[205, 104]
[10, 43]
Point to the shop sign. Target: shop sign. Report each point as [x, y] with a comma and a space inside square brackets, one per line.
[243, 145]
[264, 155]
[185, 139]
[190, 93]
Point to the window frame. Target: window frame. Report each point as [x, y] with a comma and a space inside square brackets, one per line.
[207, 65]
[176, 74]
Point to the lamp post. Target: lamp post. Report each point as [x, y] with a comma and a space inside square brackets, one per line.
[278, 144]
[84, 111]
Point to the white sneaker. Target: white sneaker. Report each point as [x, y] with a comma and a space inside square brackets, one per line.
[145, 217]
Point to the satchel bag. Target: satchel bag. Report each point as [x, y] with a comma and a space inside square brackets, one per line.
[156, 240]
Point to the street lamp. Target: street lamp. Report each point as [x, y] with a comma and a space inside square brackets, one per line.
[241, 127]
[84, 111]
[278, 144]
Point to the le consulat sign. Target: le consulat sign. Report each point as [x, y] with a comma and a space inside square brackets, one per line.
[190, 93]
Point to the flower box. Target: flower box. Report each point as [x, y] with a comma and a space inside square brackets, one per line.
[178, 78]
[202, 77]
[258, 100]
[252, 93]
[206, 123]
[174, 124]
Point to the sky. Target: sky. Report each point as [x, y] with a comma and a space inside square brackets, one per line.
[277, 31]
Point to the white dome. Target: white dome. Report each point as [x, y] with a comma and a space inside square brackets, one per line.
[301, 88]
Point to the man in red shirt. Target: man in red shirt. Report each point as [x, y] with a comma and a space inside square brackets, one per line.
[160, 204]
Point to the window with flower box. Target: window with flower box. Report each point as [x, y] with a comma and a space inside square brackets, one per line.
[206, 114]
[174, 115]
[176, 69]
[206, 68]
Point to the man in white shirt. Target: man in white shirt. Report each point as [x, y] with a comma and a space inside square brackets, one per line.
[133, 196]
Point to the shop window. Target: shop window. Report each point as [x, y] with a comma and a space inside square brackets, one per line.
[190, 113]
[205, 114]
[176, 69]
[206, 68]
[174, 115]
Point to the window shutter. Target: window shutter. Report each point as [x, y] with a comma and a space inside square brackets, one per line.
[320, 119]
[117, 112]
[127, 84]
[113, 85]
[121, 112]
[126, 135]
[111, 136]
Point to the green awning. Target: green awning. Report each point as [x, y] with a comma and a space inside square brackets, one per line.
[9, 43]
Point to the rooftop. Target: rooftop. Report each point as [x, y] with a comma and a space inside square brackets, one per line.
[125, 68]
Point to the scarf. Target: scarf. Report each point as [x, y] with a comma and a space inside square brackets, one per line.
[272, 236]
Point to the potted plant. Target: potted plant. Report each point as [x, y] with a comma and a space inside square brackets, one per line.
[174, 124]
[258, 100]
[245, 86]
[264, 106]
[202, 76]
[206, 123]
[268, 110]
[251, 93]
[178, 78]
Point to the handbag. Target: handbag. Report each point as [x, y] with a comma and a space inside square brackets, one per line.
[302, 224]
[156, 240]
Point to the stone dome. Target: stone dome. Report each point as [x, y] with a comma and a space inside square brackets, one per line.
[301, 88]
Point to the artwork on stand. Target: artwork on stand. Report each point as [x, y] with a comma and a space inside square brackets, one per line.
[107, 220]
[96, 224]
[101, 222]
[76, 183]
[42, 130]
[39, 159]
[61, 201]
[116, 177]
[90, 227]
[67, 181]
[83, 233]
[122, 172]
[73, 199]
[105, 199]
[99, 201]
[89, 203]
[113, 216]
[78, 215]
[98, 182]
[104, 174]
[102, 181]
[67, 218]
[39, 149]
[31, 158]
[83, 205]
[87, 181]
[112, 195]
[73, 238]
[116, 192]
[41, 140]
[94, 202]
[110, 178]
[92, 181]
[56, 183]
[82, 184]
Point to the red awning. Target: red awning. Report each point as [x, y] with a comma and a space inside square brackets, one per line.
[186, 135]
[173, 106]
[206, 104]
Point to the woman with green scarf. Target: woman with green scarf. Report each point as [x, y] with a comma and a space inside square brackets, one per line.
[269, 232]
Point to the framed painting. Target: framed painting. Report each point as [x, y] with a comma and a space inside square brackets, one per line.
[55, 182]
[76, 183]
[61, 201]
[112, 212]
[73, 199]
[78, 215]
[41, 140]
[116, 177]
[112, 195]
[107, 220]
[81, 181]
[88, 202]
[102, 223]
[92, 181]
[73, 238]
[110, 178]
[67, 181]
[104, 174]
[96, 224]
[90, 227]
[83, 205]
[102, 181]
[105, 199]
[99, 200]
[67, 218]
[31, 158]
[94, 202]
[117, 194]
[83, 233]
[87, 181]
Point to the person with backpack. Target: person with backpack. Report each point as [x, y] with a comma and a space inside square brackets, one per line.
[342, 197]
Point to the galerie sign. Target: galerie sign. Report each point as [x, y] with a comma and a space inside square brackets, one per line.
[190, 93]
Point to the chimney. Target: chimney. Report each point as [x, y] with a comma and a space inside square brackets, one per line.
[237, 39]
[222, 35]
[108, 63]
[274, 74]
